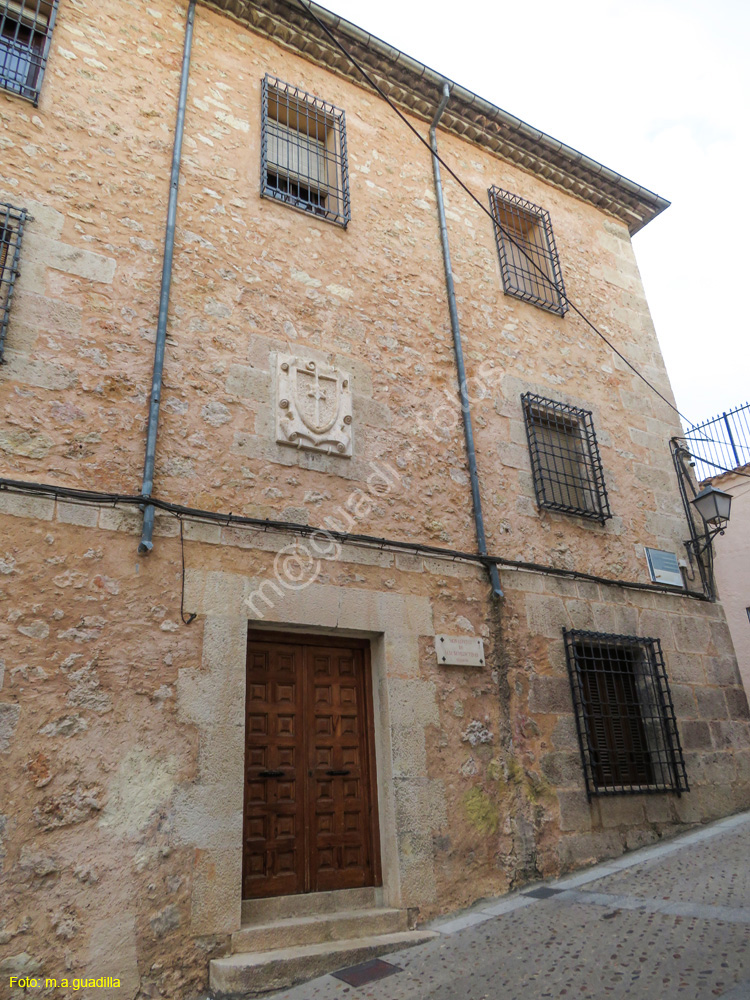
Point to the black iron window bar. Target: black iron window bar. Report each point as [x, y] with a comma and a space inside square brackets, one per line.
[303, 152]
[529, 262]
[25, 35]
[625, 717]
[12, 221]
[565, 462]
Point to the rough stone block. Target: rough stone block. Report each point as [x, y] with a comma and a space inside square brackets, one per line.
[577, 849]
[730, 735]
[550, 695]
[575, 811]
[722, 670]
[77, 513]
[721, 640]
[626, 810]
[565, 734]
[34, 371]
[70, 259]
[695, 735]
[737, 703]
[659, 808]
[684, 667]
[216, 902]
[412, 702]
[129, 521]
[202, 531]
[25, 505]
[249, 383]
[370, 411]
[42, 312]
[9, 716]
[683, 698]
[691, 635]
[546, 616]
[563, 768]
[581, 614]
[711, 703]
[409, 751]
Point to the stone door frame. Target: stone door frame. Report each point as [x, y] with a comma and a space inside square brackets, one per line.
[208, 812]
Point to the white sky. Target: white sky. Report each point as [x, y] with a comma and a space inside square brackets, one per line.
[655, 89]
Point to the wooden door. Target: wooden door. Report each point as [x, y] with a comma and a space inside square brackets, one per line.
[310, 821]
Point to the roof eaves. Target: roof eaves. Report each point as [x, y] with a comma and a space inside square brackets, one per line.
[416, 88]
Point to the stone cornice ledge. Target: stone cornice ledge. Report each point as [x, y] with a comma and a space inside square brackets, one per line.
[417, 88]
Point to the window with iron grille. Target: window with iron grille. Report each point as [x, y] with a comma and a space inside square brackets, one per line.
[25, 35]
[528, 256]
[568, 474]
[12, 221]
[624, 713]
[303, 152]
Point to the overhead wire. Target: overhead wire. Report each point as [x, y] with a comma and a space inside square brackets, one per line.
[306, 6]
[74, 495]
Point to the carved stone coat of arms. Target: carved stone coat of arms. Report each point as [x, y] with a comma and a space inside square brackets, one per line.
[313, 406]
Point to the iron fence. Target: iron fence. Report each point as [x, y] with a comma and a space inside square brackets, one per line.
[720, 444]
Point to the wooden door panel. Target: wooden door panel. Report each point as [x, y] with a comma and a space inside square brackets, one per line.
[274, 854]
[306, 829]
[340, 848]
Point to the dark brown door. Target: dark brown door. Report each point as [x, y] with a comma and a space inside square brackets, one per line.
[310, 820]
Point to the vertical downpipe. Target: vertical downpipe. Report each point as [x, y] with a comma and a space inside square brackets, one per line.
[460, 369]
[146, 543]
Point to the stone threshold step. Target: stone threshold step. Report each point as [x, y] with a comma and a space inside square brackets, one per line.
[337, 926]
[251, 973]
[308, 904]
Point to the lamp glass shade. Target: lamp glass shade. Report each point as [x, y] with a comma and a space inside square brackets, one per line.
[713, 505]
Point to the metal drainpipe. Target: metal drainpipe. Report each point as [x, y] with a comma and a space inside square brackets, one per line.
[146, 543]
[460, 369]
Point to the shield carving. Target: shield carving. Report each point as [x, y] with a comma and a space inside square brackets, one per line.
[317, 397]
[313, 406]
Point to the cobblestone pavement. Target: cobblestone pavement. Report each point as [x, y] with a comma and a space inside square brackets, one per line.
[671, 920]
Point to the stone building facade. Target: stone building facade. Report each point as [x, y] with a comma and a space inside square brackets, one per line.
[123, 727]
[732, 553]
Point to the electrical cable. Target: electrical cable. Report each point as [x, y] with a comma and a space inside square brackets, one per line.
[305, 6]
[722, 468]
[190, 618]
[74, 495]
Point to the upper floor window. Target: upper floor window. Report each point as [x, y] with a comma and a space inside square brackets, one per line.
[12, 221]
[568, 474]
[624, 713]
[25, 35]
[303, 152]
[528, 256]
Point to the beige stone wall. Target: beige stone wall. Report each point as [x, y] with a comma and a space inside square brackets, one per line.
[122, 742]
[253, 278]
[120, 727]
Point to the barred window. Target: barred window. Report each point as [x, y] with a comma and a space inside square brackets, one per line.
[528, 256]
[565, 462]
[624, 713]
[25, 35]
[12, 221]
[303, 152]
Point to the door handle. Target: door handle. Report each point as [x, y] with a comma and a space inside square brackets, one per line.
[333, 774]
[270, 774]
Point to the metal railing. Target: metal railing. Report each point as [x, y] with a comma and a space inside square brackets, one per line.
[720, 444]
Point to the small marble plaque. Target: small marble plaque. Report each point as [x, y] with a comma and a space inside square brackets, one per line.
[459, 650]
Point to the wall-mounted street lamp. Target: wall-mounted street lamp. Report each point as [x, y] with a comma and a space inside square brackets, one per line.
[714, 507]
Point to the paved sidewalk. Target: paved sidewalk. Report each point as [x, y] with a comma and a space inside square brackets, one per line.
[668, 921]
